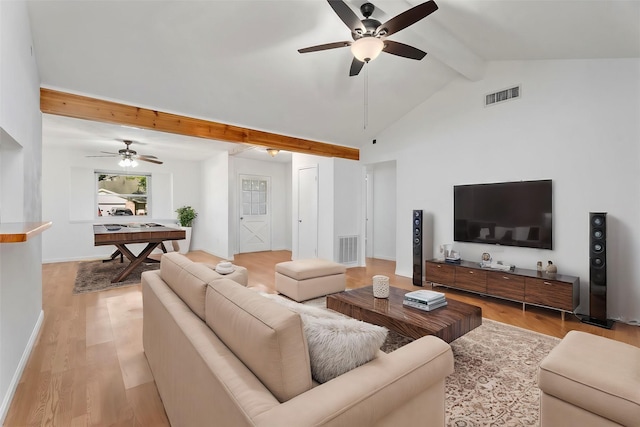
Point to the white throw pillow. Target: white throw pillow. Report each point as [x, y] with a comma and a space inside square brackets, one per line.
[336, 343]
[337, 346]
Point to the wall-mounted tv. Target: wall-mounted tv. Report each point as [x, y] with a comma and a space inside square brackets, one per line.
[506, 213]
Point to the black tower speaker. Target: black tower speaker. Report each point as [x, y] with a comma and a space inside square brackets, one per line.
[417, 247]
[598, 271]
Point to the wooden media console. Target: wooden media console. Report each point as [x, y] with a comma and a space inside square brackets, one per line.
[556, 291]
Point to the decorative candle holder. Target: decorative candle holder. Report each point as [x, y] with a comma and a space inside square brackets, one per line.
[380, 286]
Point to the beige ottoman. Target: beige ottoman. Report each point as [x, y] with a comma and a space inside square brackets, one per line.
[588, 380]
[305, 279]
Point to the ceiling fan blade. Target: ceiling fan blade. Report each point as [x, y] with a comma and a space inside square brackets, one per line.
[347, 15]
[106, 152]
[406, 18]
[111, 155]
[147, 156]
[324, 47]
[158, 162]
[356, 66]
[404, 50]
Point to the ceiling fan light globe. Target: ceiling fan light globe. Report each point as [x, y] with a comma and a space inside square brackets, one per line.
[122, 163]
[367, 49]
[134, 163]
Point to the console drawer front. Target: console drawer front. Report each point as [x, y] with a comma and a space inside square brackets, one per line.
[550, 293]
[471, 279]
[440, 273]
[505, 285]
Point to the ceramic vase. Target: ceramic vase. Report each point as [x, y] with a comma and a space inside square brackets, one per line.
[186, 243]
[380, 286]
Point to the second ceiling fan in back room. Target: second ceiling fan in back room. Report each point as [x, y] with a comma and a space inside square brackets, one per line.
[129, 157]
[370, 36]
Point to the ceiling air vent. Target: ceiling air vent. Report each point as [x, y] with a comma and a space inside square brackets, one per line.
[501, 96]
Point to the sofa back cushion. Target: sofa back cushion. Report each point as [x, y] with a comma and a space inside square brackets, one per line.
[267, 337]
[187, 279]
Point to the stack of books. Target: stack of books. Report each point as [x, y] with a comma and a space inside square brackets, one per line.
[425, 300]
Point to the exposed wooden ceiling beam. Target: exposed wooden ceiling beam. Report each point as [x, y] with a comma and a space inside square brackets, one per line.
[83, 107]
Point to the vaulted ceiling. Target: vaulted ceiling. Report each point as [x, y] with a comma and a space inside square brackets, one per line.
[236, 61]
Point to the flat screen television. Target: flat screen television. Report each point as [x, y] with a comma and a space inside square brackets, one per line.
[506, 213]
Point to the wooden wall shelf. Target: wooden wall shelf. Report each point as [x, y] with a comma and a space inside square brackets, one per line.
[557, 291]
[17, 232]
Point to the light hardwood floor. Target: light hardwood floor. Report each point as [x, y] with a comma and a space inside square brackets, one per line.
[88, 366]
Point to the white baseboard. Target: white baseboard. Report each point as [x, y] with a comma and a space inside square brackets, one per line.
[404, 273]
[385, 258]
[229, 258]
[82, 258]
[20, 369]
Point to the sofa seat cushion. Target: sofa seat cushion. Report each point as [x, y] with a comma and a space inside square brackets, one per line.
[187, 279]
[337, 343]
[265, 336]
[596, 374]
[303, 269]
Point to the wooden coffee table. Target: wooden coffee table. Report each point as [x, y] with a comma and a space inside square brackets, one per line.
[447, 323]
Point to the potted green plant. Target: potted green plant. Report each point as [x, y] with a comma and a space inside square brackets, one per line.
[186, 215]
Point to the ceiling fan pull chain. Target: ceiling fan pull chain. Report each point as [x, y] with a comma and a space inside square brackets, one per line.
[366, 96]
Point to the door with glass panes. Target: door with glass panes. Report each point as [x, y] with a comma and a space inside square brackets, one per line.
[255, 213]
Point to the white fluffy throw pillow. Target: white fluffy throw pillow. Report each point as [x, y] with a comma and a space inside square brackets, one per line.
[339, 345]
[336, 343]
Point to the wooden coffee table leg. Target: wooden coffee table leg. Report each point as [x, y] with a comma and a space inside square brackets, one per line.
[114, 255]
[135, 260]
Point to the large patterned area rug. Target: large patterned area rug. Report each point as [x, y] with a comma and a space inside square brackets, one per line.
[494, 383]
[95, 276]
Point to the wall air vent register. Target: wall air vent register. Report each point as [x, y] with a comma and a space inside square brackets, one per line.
[502, 95]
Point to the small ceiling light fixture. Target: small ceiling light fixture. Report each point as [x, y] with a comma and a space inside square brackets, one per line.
[127, 155]
[127, 161]
[272, 151]
[367, 48]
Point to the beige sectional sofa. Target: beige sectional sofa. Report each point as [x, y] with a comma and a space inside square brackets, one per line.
[224, 355]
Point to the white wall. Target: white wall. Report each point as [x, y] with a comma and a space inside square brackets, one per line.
[211, 231]
[288, 184]
[280, 174]
[383, 176]
[11, 189]
[348, 204]
[576, 123]
[325, 203]
[340, 202]
[208, 186]
[69, 199]
[20, 263]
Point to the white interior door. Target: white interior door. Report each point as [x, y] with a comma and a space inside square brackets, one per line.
[308, 212]
[255, 213]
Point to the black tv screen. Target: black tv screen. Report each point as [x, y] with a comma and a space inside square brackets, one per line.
[506, 213]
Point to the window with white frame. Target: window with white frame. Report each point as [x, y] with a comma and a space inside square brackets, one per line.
[254, 196]
[120, 194]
